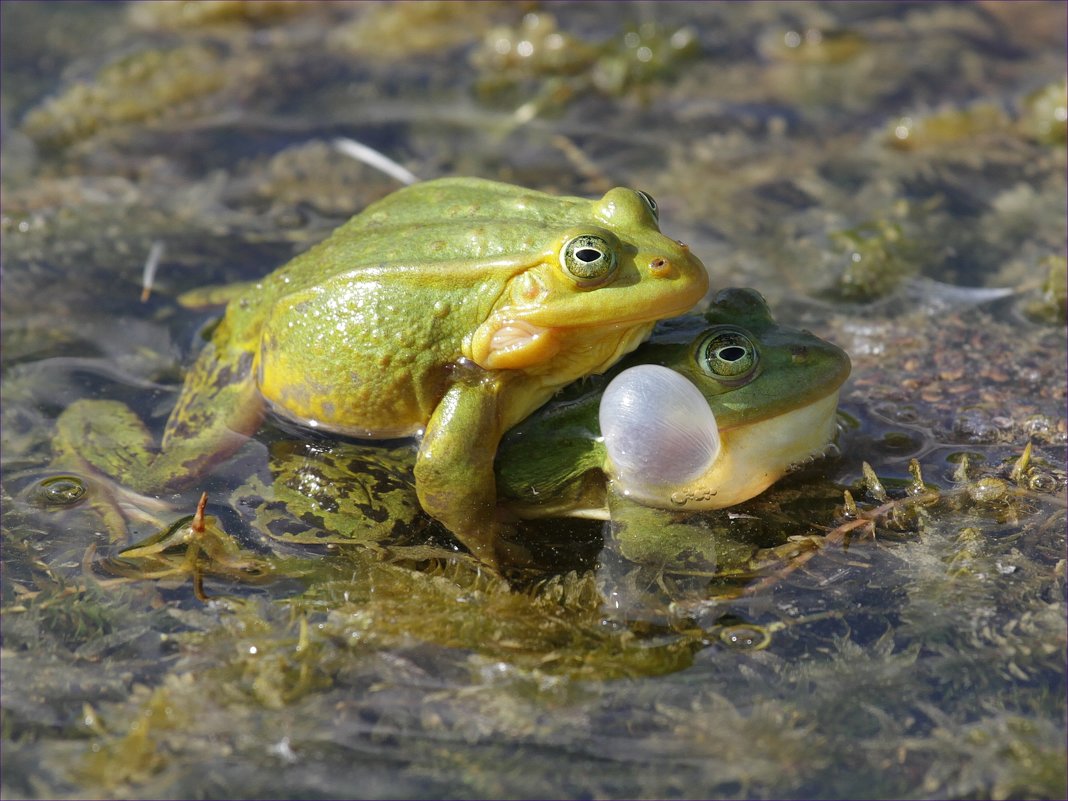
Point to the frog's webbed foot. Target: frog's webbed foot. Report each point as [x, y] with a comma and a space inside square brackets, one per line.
[64, 491]
[103, 448]
[103, 437]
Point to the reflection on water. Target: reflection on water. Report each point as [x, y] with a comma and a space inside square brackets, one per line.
[890, 177]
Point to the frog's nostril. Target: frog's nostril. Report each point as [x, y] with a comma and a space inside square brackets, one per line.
[660, 267]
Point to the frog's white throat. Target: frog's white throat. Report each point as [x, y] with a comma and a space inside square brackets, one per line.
[657, 426]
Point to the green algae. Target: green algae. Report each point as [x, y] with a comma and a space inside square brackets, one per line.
[179, 14]
[141, 87]
[1045, 114]
[878, 259]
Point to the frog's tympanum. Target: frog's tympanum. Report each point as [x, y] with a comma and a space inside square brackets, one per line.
[708, 414]
[450, 309]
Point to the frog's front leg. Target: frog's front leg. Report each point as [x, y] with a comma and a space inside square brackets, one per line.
[454, 467]
[219, 406]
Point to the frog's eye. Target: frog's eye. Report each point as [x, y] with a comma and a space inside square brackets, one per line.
[728, 355]
[653, 208]
[589, 258]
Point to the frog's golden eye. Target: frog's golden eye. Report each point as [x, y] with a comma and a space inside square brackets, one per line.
[727, 354]
[589, 258]
[653, 208]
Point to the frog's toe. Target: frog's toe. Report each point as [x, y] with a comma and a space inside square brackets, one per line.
[61, 489]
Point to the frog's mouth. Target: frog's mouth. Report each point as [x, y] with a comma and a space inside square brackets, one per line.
[576, 316]
[525, 339]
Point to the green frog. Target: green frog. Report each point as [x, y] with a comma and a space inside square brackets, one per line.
[708, 414]
[449, 310]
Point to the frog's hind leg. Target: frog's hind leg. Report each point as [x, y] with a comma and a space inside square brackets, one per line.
[219, 406]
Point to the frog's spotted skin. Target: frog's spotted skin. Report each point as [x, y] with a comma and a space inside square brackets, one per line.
[452, 308]
[324, 493]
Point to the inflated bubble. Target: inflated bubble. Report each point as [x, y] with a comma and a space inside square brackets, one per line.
[657, 427]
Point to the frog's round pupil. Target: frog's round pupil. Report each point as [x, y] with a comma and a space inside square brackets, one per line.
[732, 353]
[588, 254]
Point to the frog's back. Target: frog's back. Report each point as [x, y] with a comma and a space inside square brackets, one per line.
[452, 228]
[456, 226]
[473, 199]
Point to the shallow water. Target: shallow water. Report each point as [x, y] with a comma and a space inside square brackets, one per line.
[877, 171]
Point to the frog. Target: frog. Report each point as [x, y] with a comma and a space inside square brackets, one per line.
[770, 395]
[448, 311]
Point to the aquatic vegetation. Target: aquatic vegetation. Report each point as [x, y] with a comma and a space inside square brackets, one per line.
[1052, 303]
[394, 31]
[179, 14]
[878, 257]
[540, 67]
[149, 85]
[947, 126]
[906, 640]
[352, 641]
[192, 547]
[1044, 114]
[308, 174]
[813, 45]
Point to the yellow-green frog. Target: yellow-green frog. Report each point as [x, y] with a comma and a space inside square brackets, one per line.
[708, 414]
[450, 309]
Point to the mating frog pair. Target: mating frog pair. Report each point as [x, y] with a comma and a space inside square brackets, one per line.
[731, 401]
[452, 310]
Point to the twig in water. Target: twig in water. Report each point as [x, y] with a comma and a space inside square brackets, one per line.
[370, 156]
[148, 277]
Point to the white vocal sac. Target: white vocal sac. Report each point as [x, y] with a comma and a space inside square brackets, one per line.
[657, 427]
